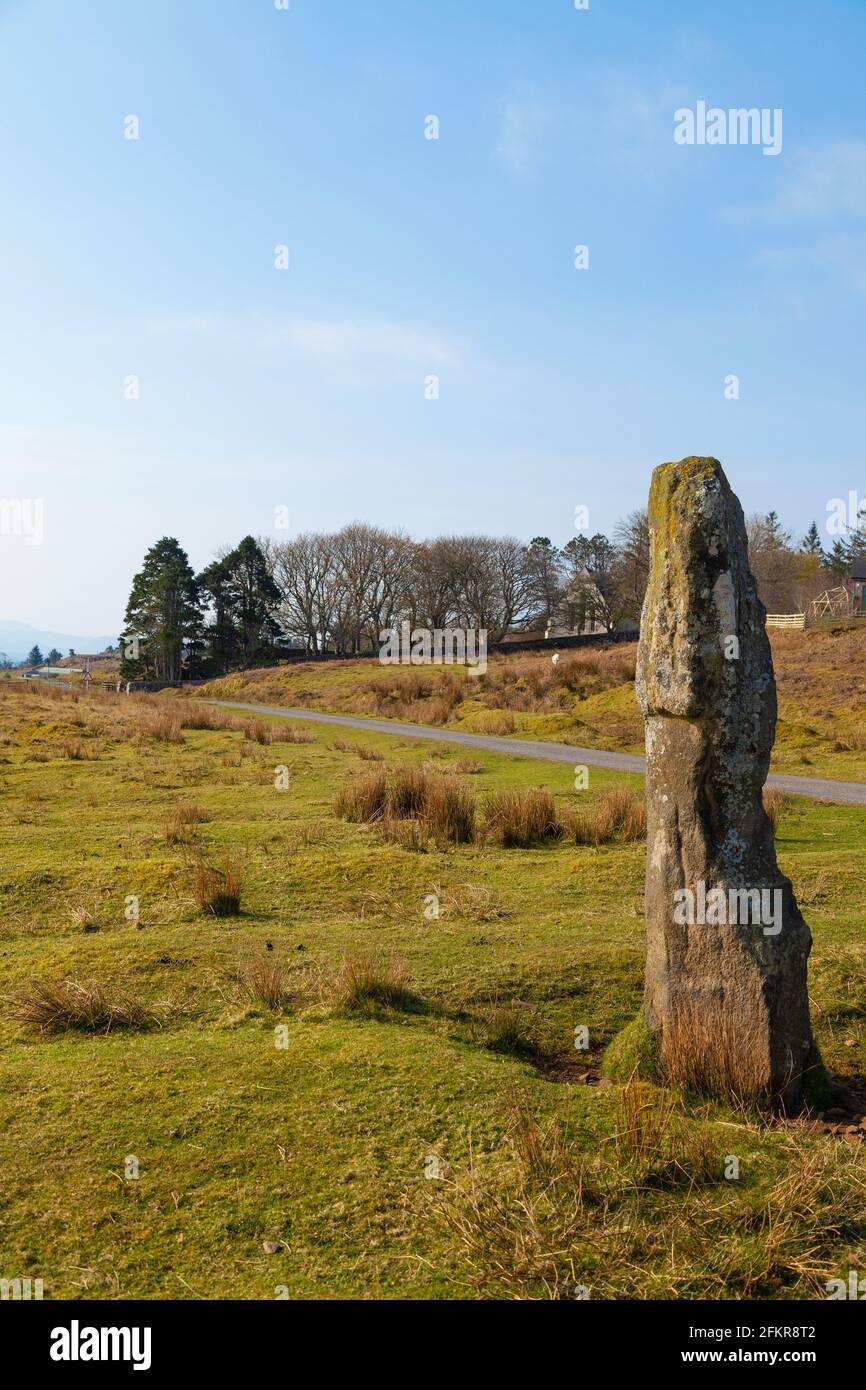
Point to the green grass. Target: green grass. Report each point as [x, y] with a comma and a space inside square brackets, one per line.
[320, 1146]
[588, 701]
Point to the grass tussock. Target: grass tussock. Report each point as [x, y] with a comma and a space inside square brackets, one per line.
[73, 1004]
[443, 807]
[217, 888]
[508, 1027]
[618, 814]
[162, 727]
[709, 1056]
[364, 798]
[648, 1212]
[296, 736]
[258, 732]
[181, 823]
[74, 750]
[518, 819]
[408, 791]
[369, 978]
[265, 980]
[201, 716]
[449, 811]
[776, 804]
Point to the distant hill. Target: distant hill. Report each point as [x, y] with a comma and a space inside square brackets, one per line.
[17, 639]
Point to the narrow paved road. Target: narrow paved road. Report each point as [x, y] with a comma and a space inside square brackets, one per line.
[821, 788]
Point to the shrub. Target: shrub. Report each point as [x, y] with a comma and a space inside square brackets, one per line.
[89, 1006]
[518, 819]
[218, 889]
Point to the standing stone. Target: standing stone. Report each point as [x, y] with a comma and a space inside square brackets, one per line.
[725, 996]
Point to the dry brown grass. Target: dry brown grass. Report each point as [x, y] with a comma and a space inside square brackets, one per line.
[711, 1056]
[507, 1027]
[295, 736]
[218, 888]
[408, 790]
[258, 732]
[473, 900]
[367, 978]
[776, 804]
[449, 811]
[363, 798]
[369, 755]
[468, 766]
[406, 834]
[265, 980]
[443, 807]
[522, 818]
[618, 814]
[180, 824]
[73, 749]
[163, 726]
[87, 1006]
[195, 716]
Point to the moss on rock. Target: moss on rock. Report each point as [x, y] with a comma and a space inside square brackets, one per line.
[632, 1053]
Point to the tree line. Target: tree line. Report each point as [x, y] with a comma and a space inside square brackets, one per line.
[334, 592]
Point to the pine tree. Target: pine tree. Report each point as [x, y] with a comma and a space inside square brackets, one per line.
[252, 597]
[162, 616]
[811, 544]
[34, 657]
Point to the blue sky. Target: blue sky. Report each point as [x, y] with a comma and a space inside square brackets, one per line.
[262, 388]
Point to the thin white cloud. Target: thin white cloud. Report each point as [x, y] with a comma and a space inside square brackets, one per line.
[823, 183]
[401, 342]
[523, 122]
[823, 187]
[344, 338]
[844, 256]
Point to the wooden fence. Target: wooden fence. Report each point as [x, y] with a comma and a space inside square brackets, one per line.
[789, 620]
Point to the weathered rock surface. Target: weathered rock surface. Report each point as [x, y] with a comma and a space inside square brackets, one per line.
[725, 999]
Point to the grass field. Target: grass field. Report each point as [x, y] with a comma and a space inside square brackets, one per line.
[289, 1078]
[588, 698]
